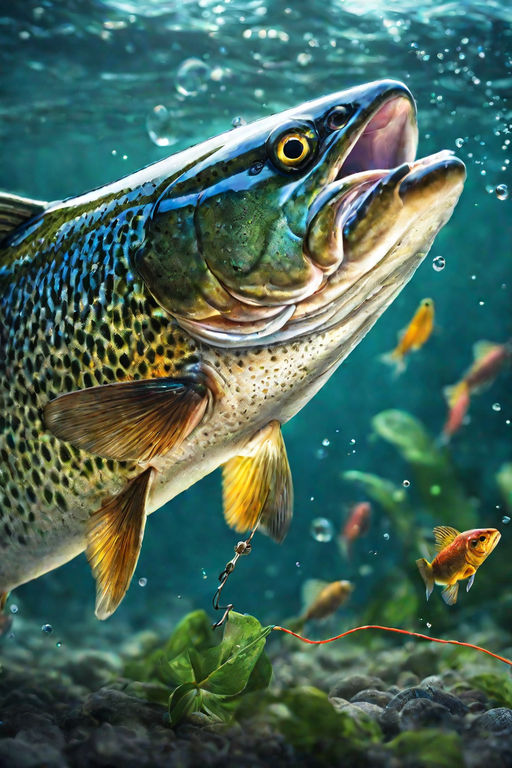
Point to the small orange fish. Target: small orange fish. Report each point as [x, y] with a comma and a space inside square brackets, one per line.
[458, 402]
[414, 337]
[321, 599]
[489, 358]
[357, 524]
[459, 556]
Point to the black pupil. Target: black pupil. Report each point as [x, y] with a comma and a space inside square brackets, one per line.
[338, 117]
[293, 149]
[482, 538]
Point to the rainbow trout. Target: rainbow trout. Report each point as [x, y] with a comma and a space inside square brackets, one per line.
[167, 324]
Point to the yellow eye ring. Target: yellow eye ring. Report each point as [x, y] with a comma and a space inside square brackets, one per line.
[292, 149]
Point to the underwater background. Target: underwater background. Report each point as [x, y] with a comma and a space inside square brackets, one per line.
[91, 91]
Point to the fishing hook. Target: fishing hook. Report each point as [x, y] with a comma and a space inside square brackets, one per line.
[242, 548]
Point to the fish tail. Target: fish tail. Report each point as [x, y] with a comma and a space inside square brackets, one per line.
[427, 574]
[345, 548]
[395, 359]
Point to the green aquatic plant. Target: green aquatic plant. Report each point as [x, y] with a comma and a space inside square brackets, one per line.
[504, 480]
[205, 672]
[497, 687]
[431, 467]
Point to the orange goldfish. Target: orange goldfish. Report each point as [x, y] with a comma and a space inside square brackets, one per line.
[357, 524]
[489, 359]
[321, 599]
[459, 556]
[414, 337]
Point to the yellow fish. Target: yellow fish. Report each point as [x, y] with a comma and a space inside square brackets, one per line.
[459, 556]
[321, 599]
[414, 337]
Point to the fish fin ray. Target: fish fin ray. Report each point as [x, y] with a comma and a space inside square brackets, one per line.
[396, 360]
[257, 485]
[114, 539]
[444, 535]
[470, 582]
[129, 420]
[450, 592]
[425, 569]
[15, 210]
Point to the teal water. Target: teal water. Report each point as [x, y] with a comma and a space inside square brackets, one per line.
[93, 90]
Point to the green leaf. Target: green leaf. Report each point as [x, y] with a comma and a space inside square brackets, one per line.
[154, 692]
[260, 676]
[184, 700]
[180, 669]
[242, 645]
[218, 707]
[194, 630]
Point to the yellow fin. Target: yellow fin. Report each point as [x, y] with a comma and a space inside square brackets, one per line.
[114, 539]
[449, 593]
[444, 535]
[130, 420]
[258, 485]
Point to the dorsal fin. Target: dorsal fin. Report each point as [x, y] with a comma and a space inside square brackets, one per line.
[14, 210]
[444, 535]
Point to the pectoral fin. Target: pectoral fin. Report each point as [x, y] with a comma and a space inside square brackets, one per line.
[444, 535]
[131, 420]
[114, 538]
[470, 582]
[257, 486]
[449, 593]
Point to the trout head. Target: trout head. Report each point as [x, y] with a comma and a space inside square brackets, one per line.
[303, 223]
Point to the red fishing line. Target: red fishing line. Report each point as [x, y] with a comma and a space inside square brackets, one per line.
[398, 631]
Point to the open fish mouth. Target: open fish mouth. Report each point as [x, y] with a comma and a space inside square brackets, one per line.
[369, 226]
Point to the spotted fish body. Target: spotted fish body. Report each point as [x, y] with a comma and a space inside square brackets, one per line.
[167, 324]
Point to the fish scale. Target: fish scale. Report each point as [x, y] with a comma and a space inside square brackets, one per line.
[83, 320]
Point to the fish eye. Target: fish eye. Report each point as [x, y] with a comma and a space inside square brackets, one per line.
[292, 146]
[338, 117]
[474, 542]
[482, 538]
[292, 149]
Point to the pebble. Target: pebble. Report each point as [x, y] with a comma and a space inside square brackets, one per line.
[349, 685]
[373, 696]
[499, 719]
[423, 713]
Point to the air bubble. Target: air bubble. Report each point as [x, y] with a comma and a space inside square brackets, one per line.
[505, 519]
[459, 142]
[238, 121]
[501, 192]
[385, 536]
[14, 608]
[321, 529]
[47, 629]
[438, 263]
[159, 126]
[428, 624]
[406, 483]
[203, 573]
[496, 407]
[143, 581]
[326, 442]
[192, 77]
